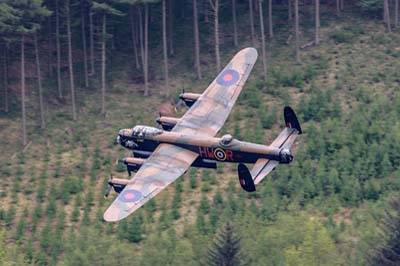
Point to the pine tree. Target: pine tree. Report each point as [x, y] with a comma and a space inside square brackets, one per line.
[316, 249]
[388, 253]
[215, 7]
[225, 248]
[24, 20]
[104, 8]
[134, 232]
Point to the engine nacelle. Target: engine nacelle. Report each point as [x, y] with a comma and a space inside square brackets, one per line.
[189, 98]
[132, 164]
[117, 184]
[167, 122]
[285, 156]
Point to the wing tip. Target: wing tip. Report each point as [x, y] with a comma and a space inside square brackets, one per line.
[108, 217]
[250, 52]
[113, 214]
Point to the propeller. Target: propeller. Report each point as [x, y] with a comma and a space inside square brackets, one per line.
[109, 187]
[180, 103]
[158, 120]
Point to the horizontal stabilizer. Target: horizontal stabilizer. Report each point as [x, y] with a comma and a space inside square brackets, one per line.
[245, 179]
[284, 141]
[262, 168]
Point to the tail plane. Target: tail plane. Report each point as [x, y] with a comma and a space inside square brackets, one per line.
[249, 179]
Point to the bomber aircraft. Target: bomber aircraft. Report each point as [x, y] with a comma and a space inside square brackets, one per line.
[161, 156]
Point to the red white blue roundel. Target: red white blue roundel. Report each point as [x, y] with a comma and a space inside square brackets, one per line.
[228, 77]
[130, 195]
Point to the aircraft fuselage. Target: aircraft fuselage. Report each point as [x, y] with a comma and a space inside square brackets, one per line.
[225, 149]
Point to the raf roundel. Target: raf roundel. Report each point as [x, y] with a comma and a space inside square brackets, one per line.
[130, 195]
[220, 154]
[228, 77]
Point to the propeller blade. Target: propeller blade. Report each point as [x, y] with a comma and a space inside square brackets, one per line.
[180, 103]
[107, 192]
[158, 120]
[109, 187]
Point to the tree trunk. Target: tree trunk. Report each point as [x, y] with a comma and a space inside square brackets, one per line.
[396, 13]
[205, 12]
[58, 51]
[5, 66]
[170, 24]
[341, 4]
[112, 37]
[139, 10]
[235, 37]
[337, 7]
[264, 58]
[50, 48]
[24, 141]
[296, 29]
[196, 40]
[165, 47]
[39, 79]
[103, 64]
[271, 31]
[251, 22]
[317, 24]
[215, 6]
[70, 66]
[183, 4]
[387, 14]
[146, 49]
[134, 41]
[290, 10]
[91, 37]
[85, 66]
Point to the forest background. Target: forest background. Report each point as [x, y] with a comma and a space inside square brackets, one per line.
[75, 72]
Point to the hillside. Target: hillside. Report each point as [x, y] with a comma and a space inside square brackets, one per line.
[329, 200]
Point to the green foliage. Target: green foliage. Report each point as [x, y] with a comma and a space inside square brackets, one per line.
[342, 36]
[316, 248]
[135, 231]
[192, 178]
[22, 16]
[388, 253]
[76, 211]
[372, 6]
[346, 161]
[70, 185]
[90, 248]
[225, 249]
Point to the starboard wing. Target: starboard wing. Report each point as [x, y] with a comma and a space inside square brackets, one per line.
[209, 113]
[166, 164]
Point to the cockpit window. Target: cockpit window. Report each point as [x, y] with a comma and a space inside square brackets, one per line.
[145, 131]
[226, 139]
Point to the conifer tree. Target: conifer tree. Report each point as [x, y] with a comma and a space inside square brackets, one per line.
[225, 248]
[388, 253]
[24, 19]
[104, 8]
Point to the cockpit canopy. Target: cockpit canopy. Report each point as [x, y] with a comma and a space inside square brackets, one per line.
[226, 140]
[145, 131]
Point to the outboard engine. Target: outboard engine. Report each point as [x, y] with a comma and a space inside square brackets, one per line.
[189, 98]
[117, 183]
[285, 156]
[132, 164]
[167, 122]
